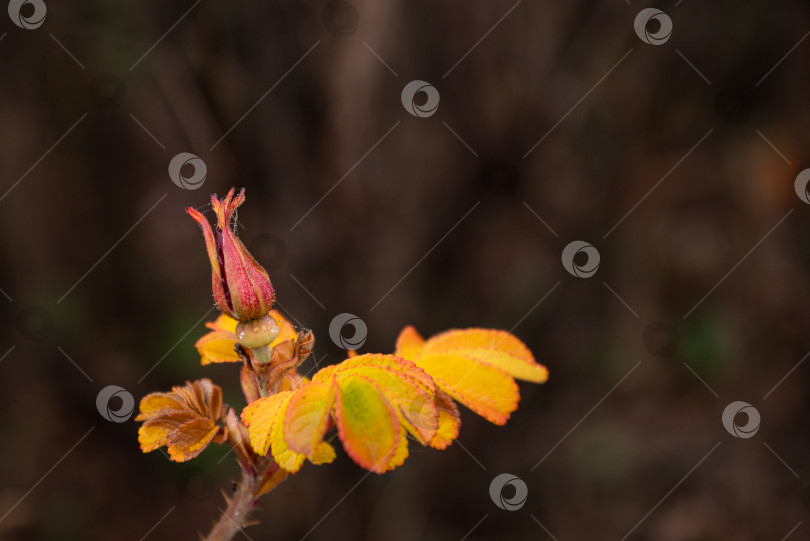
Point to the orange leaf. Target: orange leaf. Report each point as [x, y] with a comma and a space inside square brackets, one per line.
[485, 389]
[367, 422]
[307, 417]
[390, 363]
[407, 387]
[299, 416]
[377, 399]
[412, 400]
[409, 343]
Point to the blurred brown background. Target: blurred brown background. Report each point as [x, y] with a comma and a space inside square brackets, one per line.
[102, 268]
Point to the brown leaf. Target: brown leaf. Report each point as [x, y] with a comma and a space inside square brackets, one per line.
[238, 438]
[304, 346]
[155, 432]
[185, 420]
[250, 384]
[285, 351]
[191, 438]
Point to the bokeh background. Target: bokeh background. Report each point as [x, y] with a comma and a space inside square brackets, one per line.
[355, 205]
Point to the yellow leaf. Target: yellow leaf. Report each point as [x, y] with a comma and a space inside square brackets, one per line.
[478, 338]
[291, 424]
[376, 400]
[223, 323]
[367, 422]
[517, 368]
[389, 363]
[389, 384]
[485, 389]
[154, 404]
[307, 417]
[299, 416]
[449, 421]
[408, 394]
[400, 454]
[324, 374]
[259, 416]
[286, 458]
[286, 331]
[407, 387]
[324, 454]
[498, 348]
[217, 347]
[409, 343]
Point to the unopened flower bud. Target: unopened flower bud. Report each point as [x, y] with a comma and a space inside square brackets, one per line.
[242, 288]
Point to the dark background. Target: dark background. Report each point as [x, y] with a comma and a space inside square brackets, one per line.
[624, 422]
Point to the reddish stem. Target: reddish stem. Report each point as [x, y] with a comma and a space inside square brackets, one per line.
[253, 485]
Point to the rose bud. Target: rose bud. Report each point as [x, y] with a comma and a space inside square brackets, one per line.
[242, 288]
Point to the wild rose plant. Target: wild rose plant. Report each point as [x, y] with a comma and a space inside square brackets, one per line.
[376, 402]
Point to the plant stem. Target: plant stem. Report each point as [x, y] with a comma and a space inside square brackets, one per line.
[243, 502]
